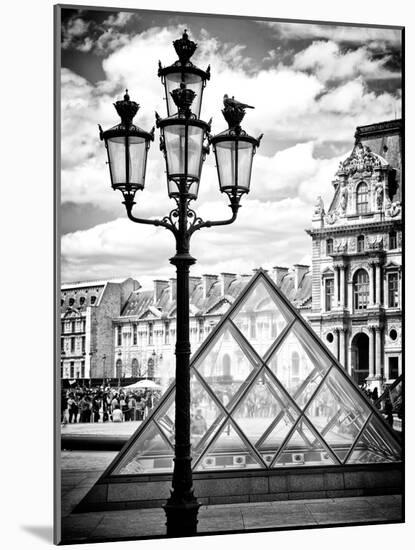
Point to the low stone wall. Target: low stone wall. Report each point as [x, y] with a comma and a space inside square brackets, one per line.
[242, 486]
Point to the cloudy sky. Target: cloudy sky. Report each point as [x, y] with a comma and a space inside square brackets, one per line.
[311, 85]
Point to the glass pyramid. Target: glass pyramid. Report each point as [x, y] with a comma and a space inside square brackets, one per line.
[265, 394]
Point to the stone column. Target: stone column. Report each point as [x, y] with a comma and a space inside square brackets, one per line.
[371, 283]
[336, 342]
[342, 347]
[349, 357]
[342, 286]
[378, 364]
[371, 353]
[350, 296]
[336, 287]
[378, 285]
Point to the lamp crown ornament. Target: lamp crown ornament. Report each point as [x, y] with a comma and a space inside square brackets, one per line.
[126, 109]
[185, 48]
[183, 98]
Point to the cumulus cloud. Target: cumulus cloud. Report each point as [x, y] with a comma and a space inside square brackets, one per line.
[294, 103]
[338, 33]
[328, 62]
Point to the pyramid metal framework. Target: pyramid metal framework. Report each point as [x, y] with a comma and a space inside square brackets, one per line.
[265, 394]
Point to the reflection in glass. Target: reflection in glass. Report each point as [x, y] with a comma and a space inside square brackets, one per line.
[262, 408]
[153, 454]
[337, 413]
[261, 318]
[375, 445]
[299, 365]
[228, 451]
[225, 367]
[303, 448]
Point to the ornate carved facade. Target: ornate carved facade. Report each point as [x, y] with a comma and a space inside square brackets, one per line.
[357, 258]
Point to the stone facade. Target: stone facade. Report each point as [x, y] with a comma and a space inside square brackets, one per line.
[357, 258]
[87, 309]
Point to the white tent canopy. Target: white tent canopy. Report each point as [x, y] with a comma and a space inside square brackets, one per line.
[143, 384]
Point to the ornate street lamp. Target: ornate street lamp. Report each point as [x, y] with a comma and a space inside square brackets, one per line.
[184, 141]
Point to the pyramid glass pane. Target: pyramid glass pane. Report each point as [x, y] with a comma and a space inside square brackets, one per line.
[205, 414]
[276, 434]
[261, 317]
[299, 364]
[375, 444]
[338, 413]
[228, 451]
[303, 448]
[259, 408]
[225, 366]
[151, 453]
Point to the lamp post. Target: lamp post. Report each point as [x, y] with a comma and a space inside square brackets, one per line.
[103, 370]
[184, 141]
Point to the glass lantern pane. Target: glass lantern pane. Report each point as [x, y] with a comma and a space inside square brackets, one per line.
[338, 413]
[225, 162]
[299, 364]
[195, 143]
[175, 141]
[262, 404]
[193, 82]
[116, 155]
[245, 157]
[225, 367]
[304, 448]
[228, 451]
[138, 158]
[375, 444]
[261, 318]
[153, 454]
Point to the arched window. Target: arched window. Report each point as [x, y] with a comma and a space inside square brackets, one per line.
[134, 368]
[150, 368]
[360, 289]
[71, 301]
[93, 300]
[329, 247]
[362, 198]
[361, 243]
[81, 300]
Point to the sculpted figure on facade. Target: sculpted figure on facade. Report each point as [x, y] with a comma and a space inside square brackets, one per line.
[319, 208]
[379, 197]
[343, 197]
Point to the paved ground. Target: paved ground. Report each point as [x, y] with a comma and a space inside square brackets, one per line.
[78, 476]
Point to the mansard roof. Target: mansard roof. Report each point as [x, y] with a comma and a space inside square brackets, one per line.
[141, 302]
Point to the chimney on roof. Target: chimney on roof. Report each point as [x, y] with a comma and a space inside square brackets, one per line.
[208, 281]
[159, 286]
[225, 281]
[172, 289]
[278, 273]
[193, 282]
[299, 272]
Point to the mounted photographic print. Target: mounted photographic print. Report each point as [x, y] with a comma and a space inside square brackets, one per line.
[229, 231]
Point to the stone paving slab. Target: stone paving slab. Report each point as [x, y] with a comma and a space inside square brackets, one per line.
[130, 524]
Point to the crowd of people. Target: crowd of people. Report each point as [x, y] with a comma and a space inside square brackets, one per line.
[105, 404]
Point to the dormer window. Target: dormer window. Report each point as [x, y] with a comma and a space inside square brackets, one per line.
[329, 247]
[362, 198]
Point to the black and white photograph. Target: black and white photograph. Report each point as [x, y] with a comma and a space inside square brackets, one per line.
[230, 234]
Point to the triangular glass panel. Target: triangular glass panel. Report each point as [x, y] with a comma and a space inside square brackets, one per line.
[275, 436]
[261, 317]
[337, 413]
[151, 453]
[228, 451]
[225, 365]
[304, 448]
[299, 364]
[375, 444]
[260, 407]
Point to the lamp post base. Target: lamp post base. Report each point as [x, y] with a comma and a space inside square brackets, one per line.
[181, 515]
